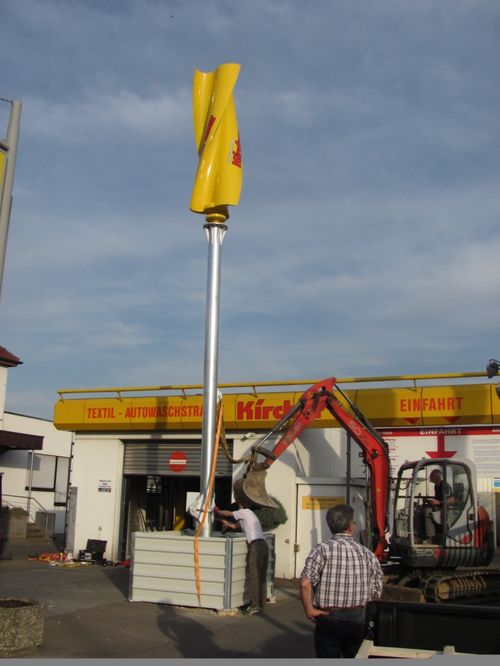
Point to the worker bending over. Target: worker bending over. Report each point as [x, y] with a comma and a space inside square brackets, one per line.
[258, 552]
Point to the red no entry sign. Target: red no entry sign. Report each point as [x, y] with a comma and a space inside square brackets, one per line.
[177, 461]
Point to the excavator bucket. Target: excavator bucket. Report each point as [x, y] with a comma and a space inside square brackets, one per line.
[251, 489]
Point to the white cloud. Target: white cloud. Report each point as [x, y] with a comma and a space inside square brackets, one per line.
[96, 115]
[367, 233]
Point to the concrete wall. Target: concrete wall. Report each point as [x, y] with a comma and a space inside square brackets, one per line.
[14, 464]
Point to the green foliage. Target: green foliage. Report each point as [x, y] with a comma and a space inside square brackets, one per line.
[270, 518]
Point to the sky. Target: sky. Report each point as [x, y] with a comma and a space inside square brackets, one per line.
[366, 241]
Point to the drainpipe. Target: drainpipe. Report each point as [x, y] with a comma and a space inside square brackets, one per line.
[30, 483]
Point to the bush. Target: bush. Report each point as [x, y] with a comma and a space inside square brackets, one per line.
[271, 518]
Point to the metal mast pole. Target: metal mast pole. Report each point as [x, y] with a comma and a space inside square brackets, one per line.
[215, 229]
[217, 185]
[9, 150]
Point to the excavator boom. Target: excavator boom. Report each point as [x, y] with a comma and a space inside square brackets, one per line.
[313, 402]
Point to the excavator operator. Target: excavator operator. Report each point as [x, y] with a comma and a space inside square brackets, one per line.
[428, 515]
[436, 477]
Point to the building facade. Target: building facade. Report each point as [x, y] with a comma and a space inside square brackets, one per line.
[34, 464]
[136, 460]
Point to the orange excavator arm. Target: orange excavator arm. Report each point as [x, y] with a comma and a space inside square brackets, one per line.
[375, 454]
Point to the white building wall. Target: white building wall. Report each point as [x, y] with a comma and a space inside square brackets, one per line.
[98, 466]
[15, 463]
[55, 442]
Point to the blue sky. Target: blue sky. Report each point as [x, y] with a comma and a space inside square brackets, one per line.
[367, 239]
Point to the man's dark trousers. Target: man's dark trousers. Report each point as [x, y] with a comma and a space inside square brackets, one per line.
[258, 557]
[340, 633]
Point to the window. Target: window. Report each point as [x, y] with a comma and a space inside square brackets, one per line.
[50, 474]
[153, 485]
[61, 482]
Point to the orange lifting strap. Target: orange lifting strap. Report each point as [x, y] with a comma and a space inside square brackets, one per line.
[205, 508]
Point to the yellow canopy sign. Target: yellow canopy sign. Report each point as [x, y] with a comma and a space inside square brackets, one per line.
[422, 406]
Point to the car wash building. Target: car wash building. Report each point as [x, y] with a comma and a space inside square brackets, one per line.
[136, 456]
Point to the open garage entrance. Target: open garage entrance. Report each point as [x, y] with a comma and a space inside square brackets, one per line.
[161, 480]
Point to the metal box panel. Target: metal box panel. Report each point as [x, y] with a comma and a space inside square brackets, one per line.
[163, 569]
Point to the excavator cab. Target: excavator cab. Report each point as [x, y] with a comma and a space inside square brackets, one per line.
[436, 522]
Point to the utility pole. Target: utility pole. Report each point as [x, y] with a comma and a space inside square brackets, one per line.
[8, 152]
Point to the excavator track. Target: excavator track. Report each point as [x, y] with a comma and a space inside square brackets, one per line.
[458, 586]
[463, 586]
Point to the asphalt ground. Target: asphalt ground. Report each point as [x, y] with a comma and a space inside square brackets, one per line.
[88, 616]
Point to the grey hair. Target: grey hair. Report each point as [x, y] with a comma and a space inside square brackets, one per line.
[338, 518]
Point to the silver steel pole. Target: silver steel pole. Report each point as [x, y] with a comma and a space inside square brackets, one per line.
[10, 147]
[215, 233]
[30, 485]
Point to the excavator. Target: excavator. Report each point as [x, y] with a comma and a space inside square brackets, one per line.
[451, 564]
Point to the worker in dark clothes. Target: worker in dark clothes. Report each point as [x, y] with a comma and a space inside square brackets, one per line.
[442, 493]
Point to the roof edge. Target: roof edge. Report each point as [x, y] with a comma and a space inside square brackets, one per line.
[7, 359]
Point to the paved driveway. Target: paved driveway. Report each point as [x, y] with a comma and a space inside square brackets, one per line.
[88, 615]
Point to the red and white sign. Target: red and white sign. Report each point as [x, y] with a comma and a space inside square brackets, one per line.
[177, 461]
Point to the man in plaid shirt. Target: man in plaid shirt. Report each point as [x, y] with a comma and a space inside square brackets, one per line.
[339, 578]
